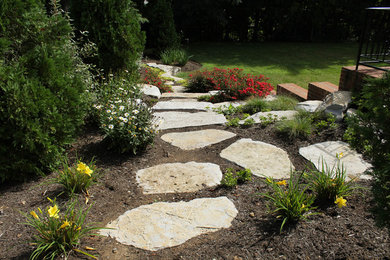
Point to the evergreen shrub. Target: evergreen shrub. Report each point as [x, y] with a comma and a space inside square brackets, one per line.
[42, 89]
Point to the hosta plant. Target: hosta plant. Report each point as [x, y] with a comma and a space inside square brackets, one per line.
[58, 232]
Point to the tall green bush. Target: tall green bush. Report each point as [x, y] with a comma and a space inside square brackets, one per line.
[114, 26]
[160, 30]
[42, 88]
[369, 131]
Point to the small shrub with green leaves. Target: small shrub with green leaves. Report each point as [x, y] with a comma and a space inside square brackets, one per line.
[234, 122]
[174, 57]
[153, 77]
[59, 233]
[249, 122]
[227, 110]
[77, 178]
[231, 177]
[268, 120]
[289, 200]
[329, 184]
[125, 119]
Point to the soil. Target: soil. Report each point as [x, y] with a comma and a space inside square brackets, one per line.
[333, 233]
[347, 233]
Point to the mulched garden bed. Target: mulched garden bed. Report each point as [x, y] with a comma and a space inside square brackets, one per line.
[346, 233]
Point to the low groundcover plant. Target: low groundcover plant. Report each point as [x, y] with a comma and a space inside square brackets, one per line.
[59, 233]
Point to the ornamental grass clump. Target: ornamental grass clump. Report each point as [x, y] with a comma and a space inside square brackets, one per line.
[174, 57]
[125, 119]
[59, 233]
[77, 178]
[329, 183]
[289, 200]
[233, 84]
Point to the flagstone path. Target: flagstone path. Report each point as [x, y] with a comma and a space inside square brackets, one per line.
[165, 224]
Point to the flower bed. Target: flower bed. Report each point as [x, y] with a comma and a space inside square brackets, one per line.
[233, 84]
[152, 76]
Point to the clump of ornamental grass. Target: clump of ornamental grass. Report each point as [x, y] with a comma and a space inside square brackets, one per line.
[174, 57]
[59, 233]
[329, 183]
[289, 200]
[78, 177]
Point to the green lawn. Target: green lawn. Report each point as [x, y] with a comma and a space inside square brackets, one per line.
[299, 63]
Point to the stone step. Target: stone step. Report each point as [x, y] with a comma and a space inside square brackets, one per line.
[183, 105]
[293, 90]
[170, 120]
[319, 90]
[182, 95]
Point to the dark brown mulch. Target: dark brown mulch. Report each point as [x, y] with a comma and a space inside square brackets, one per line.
[347, 233]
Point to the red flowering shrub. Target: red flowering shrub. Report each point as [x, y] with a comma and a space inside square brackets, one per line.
[233, 83]
[151, 76]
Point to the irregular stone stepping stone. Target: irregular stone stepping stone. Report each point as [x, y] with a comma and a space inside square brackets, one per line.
[287, 114]
[309, 105]
[184, 105]
[169, 120]
[166, 224]
[178, 177]
[353, 162]
[150, 90]
[227, 104]
[183, 100]
[261, 158]
[182, 95]
[197, 139]
[179, 89]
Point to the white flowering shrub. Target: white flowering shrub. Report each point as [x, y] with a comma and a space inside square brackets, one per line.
[124, 118]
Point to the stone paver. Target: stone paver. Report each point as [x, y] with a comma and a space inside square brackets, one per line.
[261, 158]
[179, 89]
[353, 162]
[178, 177]
[184, 105]
[309, 105]
[287, 114]
[183, 100]
[197, 139]
[182, 95]
[163, 224]
[150, 90]
[169, 120]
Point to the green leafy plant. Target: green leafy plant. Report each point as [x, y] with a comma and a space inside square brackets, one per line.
[77, 178]
[296, 127]
[227, 110]
[229, 180]
[289, 200]
[174, 57]
[59, 233]
[267, 120]
[249, 122]
[329, 183]
[231, 177]
[153, 77]
[125, 119]
[255, 105]
[234, 122]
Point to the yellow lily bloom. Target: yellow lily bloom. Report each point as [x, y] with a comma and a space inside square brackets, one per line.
[81, 167]
[283, 182]
[88, 171]
[341, 202]
[53, 211]
[65, 224]
[34, 214]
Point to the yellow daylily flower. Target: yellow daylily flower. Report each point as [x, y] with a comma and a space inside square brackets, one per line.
[88, 171]
[34, 214]
[81, 167]
[303, 206]
[340, 202]
[65, 224]
[53, 211]
[283, 182]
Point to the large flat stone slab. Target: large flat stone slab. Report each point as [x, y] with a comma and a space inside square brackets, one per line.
[150, 90]
[163, 224]
[309, 105]
[278, 115]
[182, 95]
[184, 105]
[197, 139]
[353, 162]
[261, 158]
[178, 177]
[170, 120]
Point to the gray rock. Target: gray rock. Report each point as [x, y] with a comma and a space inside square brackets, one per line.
[336, 103]
[184, 105]
[261, 158]
[169, 120]
[197, 139]
[170, 70]
[278, 115]
[163, 224]
[182, 95]
[178, 177]
[328, 151]
[150, 90]
[179, 89]
[309, 105]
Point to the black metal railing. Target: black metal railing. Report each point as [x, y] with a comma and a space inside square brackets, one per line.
[374, 47]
